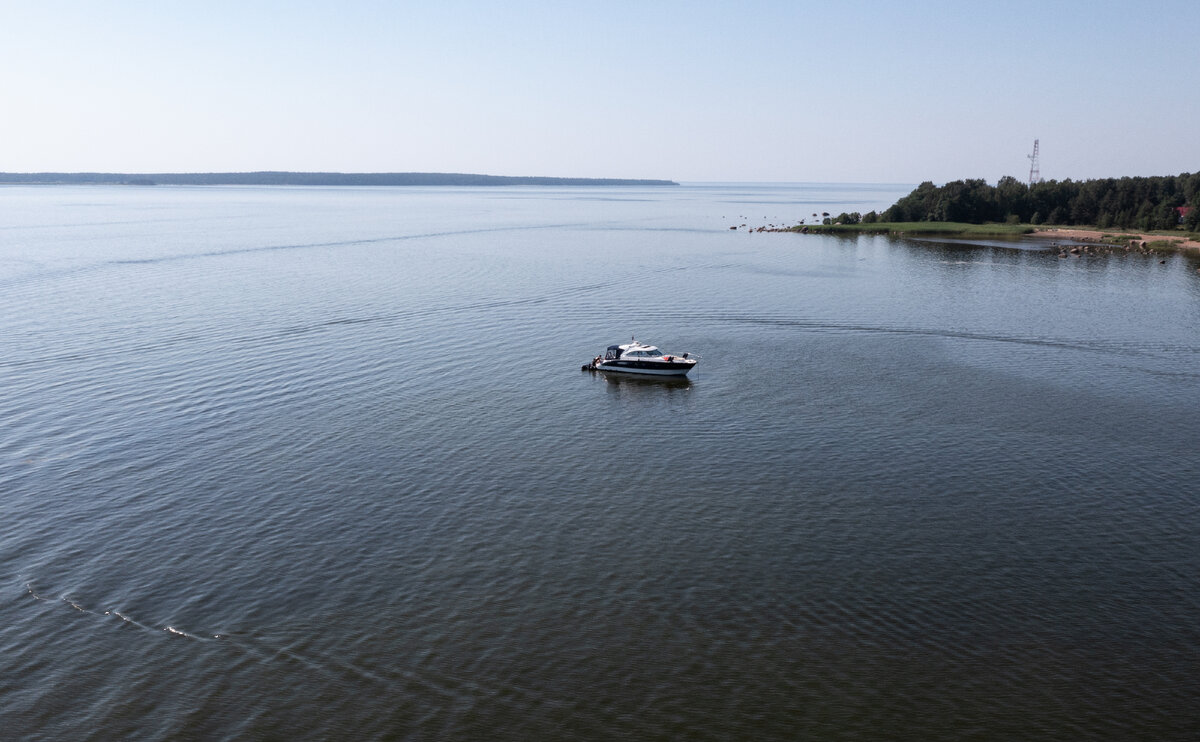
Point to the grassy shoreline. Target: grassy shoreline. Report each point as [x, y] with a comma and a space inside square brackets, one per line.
[941, 229]
[1160, 240]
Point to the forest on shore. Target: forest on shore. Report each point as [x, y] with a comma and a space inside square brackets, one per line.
[1142, 203]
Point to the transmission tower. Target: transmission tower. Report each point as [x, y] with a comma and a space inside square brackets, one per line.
[1034, 175]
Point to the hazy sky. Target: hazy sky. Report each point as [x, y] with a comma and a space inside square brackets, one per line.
[692, 91]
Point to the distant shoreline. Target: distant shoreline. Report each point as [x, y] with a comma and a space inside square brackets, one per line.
[314, 179]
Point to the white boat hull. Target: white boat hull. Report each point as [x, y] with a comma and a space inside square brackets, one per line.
[678, 368]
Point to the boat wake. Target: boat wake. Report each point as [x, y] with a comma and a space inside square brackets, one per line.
[40, 275]
[295, 647]
[571, 295]
[72, 603]
[1109, 347]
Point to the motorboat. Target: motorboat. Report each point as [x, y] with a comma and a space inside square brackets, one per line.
[638, 358]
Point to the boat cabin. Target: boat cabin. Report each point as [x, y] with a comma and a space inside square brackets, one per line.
[632, 350]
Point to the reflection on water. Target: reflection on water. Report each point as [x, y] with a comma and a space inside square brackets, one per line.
[634, 383]
[653, 381]
[648, 391]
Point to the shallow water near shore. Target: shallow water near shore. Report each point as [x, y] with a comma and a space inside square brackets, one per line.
[320, 462]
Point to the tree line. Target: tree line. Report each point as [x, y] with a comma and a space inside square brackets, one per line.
[1143, 203]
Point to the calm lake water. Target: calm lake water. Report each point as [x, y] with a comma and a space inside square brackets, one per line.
[304, 463]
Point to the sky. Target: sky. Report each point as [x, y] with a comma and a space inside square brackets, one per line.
[751, 91]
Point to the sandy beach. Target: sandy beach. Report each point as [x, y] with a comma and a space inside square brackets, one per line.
[1096, 235]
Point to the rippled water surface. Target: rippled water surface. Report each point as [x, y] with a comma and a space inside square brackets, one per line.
[321, 463]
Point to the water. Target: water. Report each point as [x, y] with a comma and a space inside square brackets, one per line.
[321, 463]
